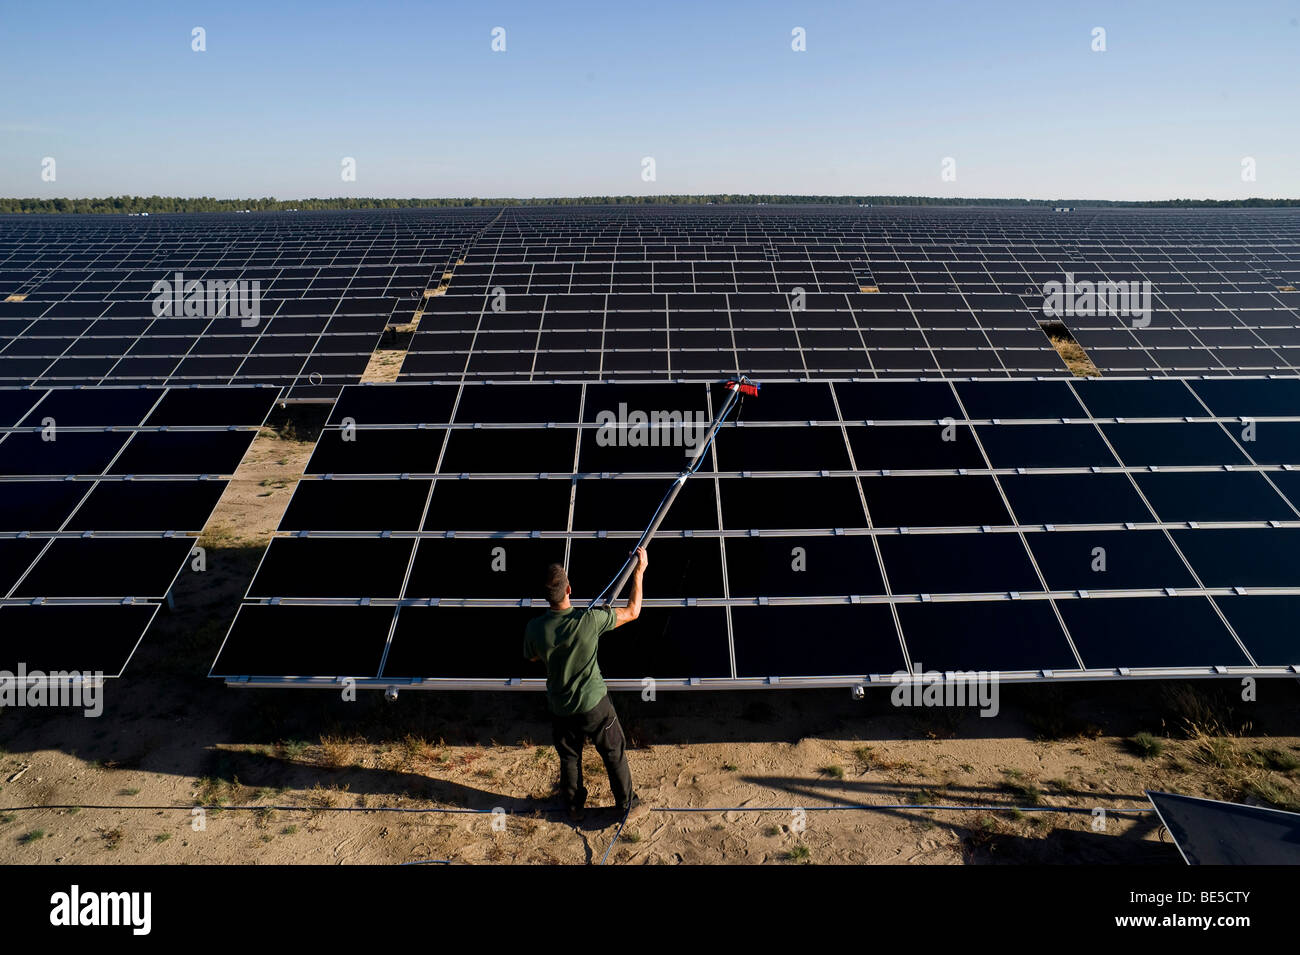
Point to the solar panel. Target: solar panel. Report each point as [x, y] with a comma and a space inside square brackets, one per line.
[865, 292]
[917, 433]
[62, 637]
[102, 491]
[1210, 832]
[1042, 544]
[92, 311]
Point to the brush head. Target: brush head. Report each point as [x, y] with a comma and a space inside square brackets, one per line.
[744, 386]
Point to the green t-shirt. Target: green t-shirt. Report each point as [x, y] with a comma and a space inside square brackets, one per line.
[566, 641]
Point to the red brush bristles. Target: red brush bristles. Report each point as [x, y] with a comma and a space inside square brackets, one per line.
[744, 387]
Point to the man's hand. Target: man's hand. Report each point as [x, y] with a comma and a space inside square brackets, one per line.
[629, 613]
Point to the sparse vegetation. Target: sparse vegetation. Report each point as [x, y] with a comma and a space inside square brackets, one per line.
[1215, 751]
[213, 792]
[984, 834]
[322, 798]
[870, 760]
[290, 749]
[800, 853]
[217, 537]
[1145, 745]
[1270, 791]
[337, 752]
[1072, 353]
[1021, 789]
[1201, 711]
[1277, 760]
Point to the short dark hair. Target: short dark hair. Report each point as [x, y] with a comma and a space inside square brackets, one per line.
[557, 582]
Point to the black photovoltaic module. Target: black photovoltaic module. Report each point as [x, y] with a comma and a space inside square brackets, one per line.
[80, 299]
[791, 292]
[1065, 528]
[638, 293]
[905, 480]
[103, 492]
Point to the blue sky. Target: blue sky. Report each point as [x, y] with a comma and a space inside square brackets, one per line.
[713, 92]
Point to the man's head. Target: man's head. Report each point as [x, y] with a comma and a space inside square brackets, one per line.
[557, 584]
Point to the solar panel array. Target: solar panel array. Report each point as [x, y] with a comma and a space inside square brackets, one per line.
[688, 292]
[707, 335]
[102, 494]
[921, 486]
[790, 292]
[838, 532]
[78, 295]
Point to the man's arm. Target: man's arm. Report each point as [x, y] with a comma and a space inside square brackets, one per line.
[626, 614]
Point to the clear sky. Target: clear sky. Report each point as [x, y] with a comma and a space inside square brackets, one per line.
[884, 92]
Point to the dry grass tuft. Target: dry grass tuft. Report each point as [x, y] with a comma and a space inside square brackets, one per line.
[339, 752]
[1071, 352]
[320, 797]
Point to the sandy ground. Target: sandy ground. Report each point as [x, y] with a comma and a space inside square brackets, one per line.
[386, 361]
[316, 770]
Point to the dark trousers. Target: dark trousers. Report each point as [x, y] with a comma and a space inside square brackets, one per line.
[600, 725]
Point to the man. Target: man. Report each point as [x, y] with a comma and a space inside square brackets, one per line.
[566, 640]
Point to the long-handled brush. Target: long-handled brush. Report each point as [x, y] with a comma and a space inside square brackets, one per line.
[737, 389]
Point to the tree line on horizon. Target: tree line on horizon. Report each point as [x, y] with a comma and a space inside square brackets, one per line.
[126, 205]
